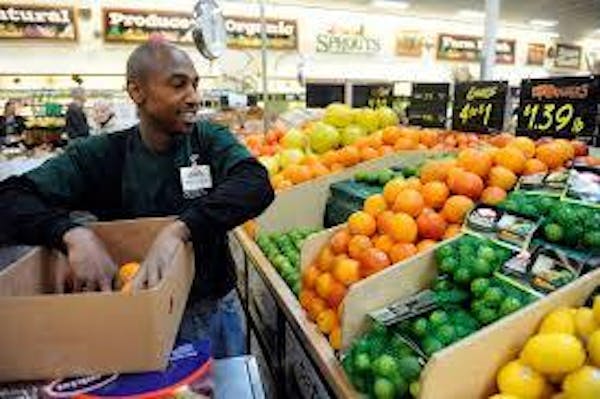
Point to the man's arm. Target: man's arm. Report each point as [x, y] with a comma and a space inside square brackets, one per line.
[242, 192]
[76, 124]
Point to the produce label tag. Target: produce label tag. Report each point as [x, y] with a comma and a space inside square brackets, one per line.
[195, 180]
[404, 309]
[583, 187]
[554, 183]
[504, 228]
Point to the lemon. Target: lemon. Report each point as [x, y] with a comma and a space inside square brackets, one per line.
[593, 347]
[555, 378]
[553, 353]
[585, 323]
[596, 308]
[503, 396]
[583, 384]
[559, 321]
[519, 380]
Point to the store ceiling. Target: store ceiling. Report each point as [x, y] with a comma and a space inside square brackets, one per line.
[576, 19]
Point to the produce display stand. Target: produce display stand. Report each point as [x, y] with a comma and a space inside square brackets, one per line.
[298, 357]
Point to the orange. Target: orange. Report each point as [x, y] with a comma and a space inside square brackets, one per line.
[368, 153]
[339, 241]
[390, 135]
[468, 184]
[525, 144]
[435, 193]
[493, 195]
[336, 167]
[454, 173]
[409, 201]
[310, 159]
[402, 251]
[411, 134]
[346, 271]
[392, 189]
[349, 155]
[429, 137]
[533, 166]
[323, 284]
[327, 321]
[475, 161]
[336, 294]
[361, 222]
[383, 221]
[431, 225]
[501, 140]
[297, 173]
[330, 157]
[277, 179]
[433, 171]
[376, 139]
[404, 143]
[502, 177]
[335, 338]
[126, 272]
[383, 242]
[373, 260]
[452, 230]
[403, 228]
[567, 151]
[319, 170]
[375, 204]
[325, 259]
[315, 307]
[306, 297]
[511, 158]
[414, 183]
[550, 154]
[456, 208]
[424, 245]
[309, 276]
[361, 142]
[357, 245]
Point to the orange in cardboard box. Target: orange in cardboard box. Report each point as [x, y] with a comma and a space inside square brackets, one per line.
[46, 336]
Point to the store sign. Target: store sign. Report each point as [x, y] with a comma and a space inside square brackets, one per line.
[558, 107]
[348, 40]
[20, 21]
[429, 104]
[139, 25]
[242, 32]
[568, 56]
[536, 54]
[409, 44]
[469, 48]
[479, 106]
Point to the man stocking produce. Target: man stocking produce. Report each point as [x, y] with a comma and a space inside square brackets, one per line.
[169, 164]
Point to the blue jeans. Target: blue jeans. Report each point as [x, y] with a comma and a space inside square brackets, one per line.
[220, 321]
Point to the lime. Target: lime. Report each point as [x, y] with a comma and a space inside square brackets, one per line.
[477, 306]
[446, 334]
[361, 176]
[384, 389]
[591, 239]
[385, 366]
[442, 285]
[361, 383]
[553, 232]
[438, 318]
[431, 345]
[420, 327]
[448, 265]
[462, 275]
[482, 267]
[487, 253]
[444, 252]
[385, 176]
[487, 315]
[493, 297]
[510, 305]
[462, 331]
[409, 368]
[362, 362]
[479, 286]
[466, 252]
[348, 365]
[414, 389]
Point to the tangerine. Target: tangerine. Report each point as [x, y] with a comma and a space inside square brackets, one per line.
[390, 135]
[550, 154]
[433, 171]
[316, 306]
[402, 251]
[327, 321]
[435, 194]
[431, 225]
[373, 260]
[347, 271]
[339, 241]
[475, 161]
[493, 195]
[336, 294]
[392, 189]
[424, 245]
[361, 222]
[310, 276]
[533, 166]
[456, 208]
[525, 144]
[375, 204]
[512, 158]
[452, 230]
[325, 259]
[502, 177]
[383, 220]
[306, 296]
[468, 184]
[335, 338]
[323, 285]
[357, 245]
[384, 243]
[368, 153]
[403, 228]
[349, 155]
[409, 201]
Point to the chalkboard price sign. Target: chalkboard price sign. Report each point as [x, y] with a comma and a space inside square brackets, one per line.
[479, 106]
[428, 104]
[559, 107]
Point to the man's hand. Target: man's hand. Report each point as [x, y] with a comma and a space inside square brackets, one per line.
[91, 264]
[159, 258]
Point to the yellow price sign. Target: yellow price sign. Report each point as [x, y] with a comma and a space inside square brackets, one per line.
[551, 117]
[474, 111]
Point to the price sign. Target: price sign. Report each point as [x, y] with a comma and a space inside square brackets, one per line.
[429, 104]
[558, 107]
[479, 106]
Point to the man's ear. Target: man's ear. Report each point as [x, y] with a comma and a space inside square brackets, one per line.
[136, 92]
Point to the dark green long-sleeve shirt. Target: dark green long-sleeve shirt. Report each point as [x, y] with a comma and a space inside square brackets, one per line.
[115, 176]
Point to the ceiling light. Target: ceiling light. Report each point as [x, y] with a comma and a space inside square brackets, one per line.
[470, 14]
[544, 23]
[399, 5]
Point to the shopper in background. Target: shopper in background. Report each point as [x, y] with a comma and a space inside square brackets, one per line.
[169, 164]
[76, 124]
[10, 122]
[104, 117]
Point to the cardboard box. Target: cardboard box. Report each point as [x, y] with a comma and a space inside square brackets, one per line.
[47, 336]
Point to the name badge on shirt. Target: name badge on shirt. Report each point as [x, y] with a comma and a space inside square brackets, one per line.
[195, 179]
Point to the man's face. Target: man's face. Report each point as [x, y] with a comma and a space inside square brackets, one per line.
[169, 97]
